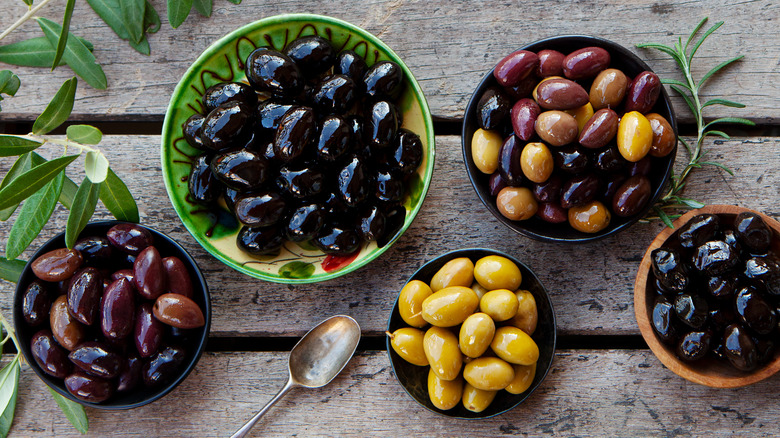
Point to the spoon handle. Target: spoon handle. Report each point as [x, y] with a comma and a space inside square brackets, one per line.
[251, 423]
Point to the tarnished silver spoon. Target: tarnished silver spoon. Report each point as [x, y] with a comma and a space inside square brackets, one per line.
[316, 359]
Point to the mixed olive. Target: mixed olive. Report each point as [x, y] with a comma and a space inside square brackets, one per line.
[717, 290]
[112, 313]
[312, 149]
[566, 138]
[472, 324]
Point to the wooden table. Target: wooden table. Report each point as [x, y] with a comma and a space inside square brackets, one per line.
[604, 380]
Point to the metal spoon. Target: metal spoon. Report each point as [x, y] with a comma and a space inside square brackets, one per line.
[316, 359]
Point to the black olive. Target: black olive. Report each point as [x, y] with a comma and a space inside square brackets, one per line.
[496, 183]
[382, 124]
[659, 288]
[765, 349]
[395, 217]
[227, 126]
[335, 94]
[571, 159]
[192, 131]
[300, 183]
[261, 240]
[241, 170]
[509, 161]
[691, 310]
[335, 139]
[203, 185]
[698, 230]
[230, 196]
[670, 270]
[740, 348]
[261, 209]
[720, 317]
[389, 188]
[754, 311]
[610, 160]
[715, 257]
[36, 303]
[611, 185]
[383, 80]
[764, 270]
[752, 232]
[694, 345]
[274, 72]
[407, 153]
[95, 249]
[313, 54]
[270, 113]
[493, 108]
[370, 223]
[354, 182]
[730, 237]
[355, 123]
[579, 190]
[664, 322]
[225, 92]
[722, 286]
[305, 222]
[337, 240]
[334, 206]
[297, 130]
[350, 64]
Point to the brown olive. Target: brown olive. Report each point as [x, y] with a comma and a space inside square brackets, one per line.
[643, 92]
[552, 212]
[66, 329]
[177, 276]
[516, 203]
[515, 67]
[550, 63]
[631, 197]
[664, 139]
[608, 89]
[600, 129]
[560, 94]
[148, 273]
[178, 311]
[556, 128]
[57, 265]
[585, 63]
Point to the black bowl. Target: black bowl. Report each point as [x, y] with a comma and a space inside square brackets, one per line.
[536, 228]
[414, 379]
[194, 342]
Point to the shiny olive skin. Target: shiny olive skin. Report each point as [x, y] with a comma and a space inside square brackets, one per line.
[270, 71]
[552, 212]
[670, 270]
[97, 358]
[752, 232]
[49, 355]
[335, 94]
[610, 160]
[634, 136]
[632, 196]
[130, 377]
[129, 238]
[179, 281]
[550, 63]
[382, 123]
[579, 190]
[383, 80]
[600, 129]
[178, 311]
[241, 170]
[527, 315]
[148, 274]
[516, 203]
[486, 149]
[523, 89]
[57, 265]
[95, 250]
[203, 185]
[475, 334]
[641, 167]
[229, 125]
[722, 286]
[407, 153]
[611, 185]
[163, 366]
[509, 161]
[36, 304]
[739, 349]
[556, 128]
[524, 377]
[441, 350]
[765, 270]
[66, 329]
[450, 306]
[754, 311]
[270, 113]
[608, 89]
[698, 230]
[477, 400]
[337, 240]
[148, 331]
[715, 257]
[643, 92]
[456, 272]
[314, 55]
[191, 129]
[305, 222]
[408, 343]
[261, 240]
[444, 394]
[692, 310]
[664, 138]
[297, 130]
[388, 188]
[127, 274]
[496, 183]
[354, 182]
[488, 373]
[410, 302]
[694, 345]
[515, 67]
[585, 63]
[571, 159]
[117, 310]
[224, 92]
[300, 183]
[493, 108]
[84, 294]
[497, 272]
[334, 139]
[560, 94]
[350, 64]
[589, 218]
[515, 346]
[536, 162]
[581, 115]
[664, 320]
[523, 115]
[548, 191]
[88, 388]
[370, 223]
[499, 304]
[261, 209]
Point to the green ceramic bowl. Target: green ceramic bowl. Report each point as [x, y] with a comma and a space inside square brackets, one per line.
[223, 61]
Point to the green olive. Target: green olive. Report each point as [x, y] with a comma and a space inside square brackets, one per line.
[499, 304]
[444, 394]
[527, 314]
[478, 289]
[449, 306]
[524, 376]
[589, 218]
[485, 147]
[515, 346]
[441, 350]
[408, 343]
[410, 302]
[477, 400]
[488, 373]
[516, 203]
[496, 272]
[536, 160]
[634, 136]
[456, 272]
[476, 333]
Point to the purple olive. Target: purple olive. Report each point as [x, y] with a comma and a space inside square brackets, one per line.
[89, 388]
[509, 163]
[524, 114]
[130, 377]
[84, 294]
[148, 331]
[579, 190]
[97, 358]
[178, 278]
[36, 303]
[49, 355]
[117, 310]
[148, 273]
[163, 366]
[129, 238]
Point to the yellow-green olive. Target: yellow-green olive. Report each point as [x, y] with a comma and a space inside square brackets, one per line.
[476, 333]
[515, 346]
[527, 315]
[478, 289]
[516, 203]
[441, 350]
[408, 343]
[635, 136]
[410, 302]
[456, 272]
[663, 135]
[524, 376]
[497, 272]
[608, 89]
[444, 394]
[488, 373]
[581, 115]
[536, 160]
[477, 400]
[449, 306]
[589, 218]
[499, 304]
[485, 147]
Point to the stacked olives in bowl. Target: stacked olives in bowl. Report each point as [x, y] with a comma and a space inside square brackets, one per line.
[311, 150]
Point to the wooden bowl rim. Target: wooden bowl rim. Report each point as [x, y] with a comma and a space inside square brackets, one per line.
[642, 313]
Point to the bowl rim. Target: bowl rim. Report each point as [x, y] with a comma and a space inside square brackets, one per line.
[466, 252]
[642, 313]
[516, 225]
[168, 387]
[414, 85]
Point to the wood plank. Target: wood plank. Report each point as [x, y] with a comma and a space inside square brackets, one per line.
[591, 285]
[587, 393]
[448, 46]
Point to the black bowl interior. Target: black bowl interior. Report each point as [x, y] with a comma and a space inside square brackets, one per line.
[414, 379]
[536, 228]
[194, 342]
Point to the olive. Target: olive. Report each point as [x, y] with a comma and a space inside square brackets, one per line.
[698, 230]
[632, 196]
[456, 272]
[335, 94]
[191, 129]
[523, 89]
[515, 346]
[270, 71]
[527, 314]
[485, 149]
[536, 162]
[694, 345]
[581, 115]
[314, 55]
[610, 160]
[444, 394]
[370, 223]
[382, 124]
[608, 89]
[765, 349]
[410, 302]
[489, 373]
[670, 270]
[130, 377]
[524, 377]
[408, 343]
[634, 136]
[477, 400]
[548, 191]
[270, 113]
[163, 366]
[643, 92]
[300, 183]
[297, 130]
[585, 63]
[664, 138]
[260, 240]
[739, 348]
[663, 320]
[88, 388]
[224, 92]
[36, 303]
[752, 232]
[97, 359]
[715, 257]
[765, 270]
[475, 334]
[495, 184]
[178, 278]
[350, 64]
[241, 170]
[178, 311]
[383, 80]
[335, 138]
[610, 187]
[730, 237]
[589, 218]
[337, 240]
[395, 217]
[552, 213]
[550, 63]
[560, 94]
[722, 286]
[478, 289]
[441, 350]
[450, 306]
[493, 108]
[556, 128]
[66, 329]
[579, 190]
[754, 311]
[129, 238]
[499, 304]
[203, 185]
[148, 331]
[523, 114]
[84, 294]
[571, 159]
[407, 153]
[261, 209]
[691, 310]
[600, 129]
[57, 265]
[388, 188]
[497, 272]
[515, 67]
[354, 182]
[229, 125]
[49, 355]
[720, 317]
[509, 161]
[516, 203]
[305, 222]
[641, 167]
[117, 310]
[148, 273]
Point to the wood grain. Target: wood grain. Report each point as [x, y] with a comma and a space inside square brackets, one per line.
[591, 285]
[587, 393]
[448, 45]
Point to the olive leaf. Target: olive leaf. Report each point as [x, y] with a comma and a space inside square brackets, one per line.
[68, 186]
[118, 199]
[96, 166]
[133, 18]
[9, 384]
[83, 207]
[73, 411]
[235, 2]
[11, 270]
[76, 55]
[64, 33]
[84, 134]
[33, 52]
[21, 165]
[9, 83]
[12, 145]
[35, 213]
[29, 182]
[151, 18]
[28, 2]
[178, 10]
[58, 110]
[110, 12]
[204, 7]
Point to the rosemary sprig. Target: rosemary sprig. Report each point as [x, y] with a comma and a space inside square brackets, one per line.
[689, 90]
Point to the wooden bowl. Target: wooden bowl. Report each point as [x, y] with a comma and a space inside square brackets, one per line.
[709, 371]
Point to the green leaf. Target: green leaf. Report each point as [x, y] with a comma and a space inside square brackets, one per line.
[76, 55]
[73, 411]
[58, 110]
[691, 203]
[178, 10]
[12, 145]
[117, 198]
[151, 18]
[687, 146]
[9, 384]
[34, 52]
[723, 102]
[718, 133]
[96, 166]
[204, 7]
[63, 40]
[84, 134]
[296, 270]
[69, 188]
[109, 12]
[11, 270]
[704, 37]
[21, 165]
[35, 213]
[685, 97]
[133, 17]
[738, 120]
[235, 2]
[675, 82]
[142, 47]
[666, 49]
[717, 68]
[32, 180]
[82, 210]
[7, 418]
[664, 217]
[722, 166]
[695, 31]
[28, 2]
[9, 83]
